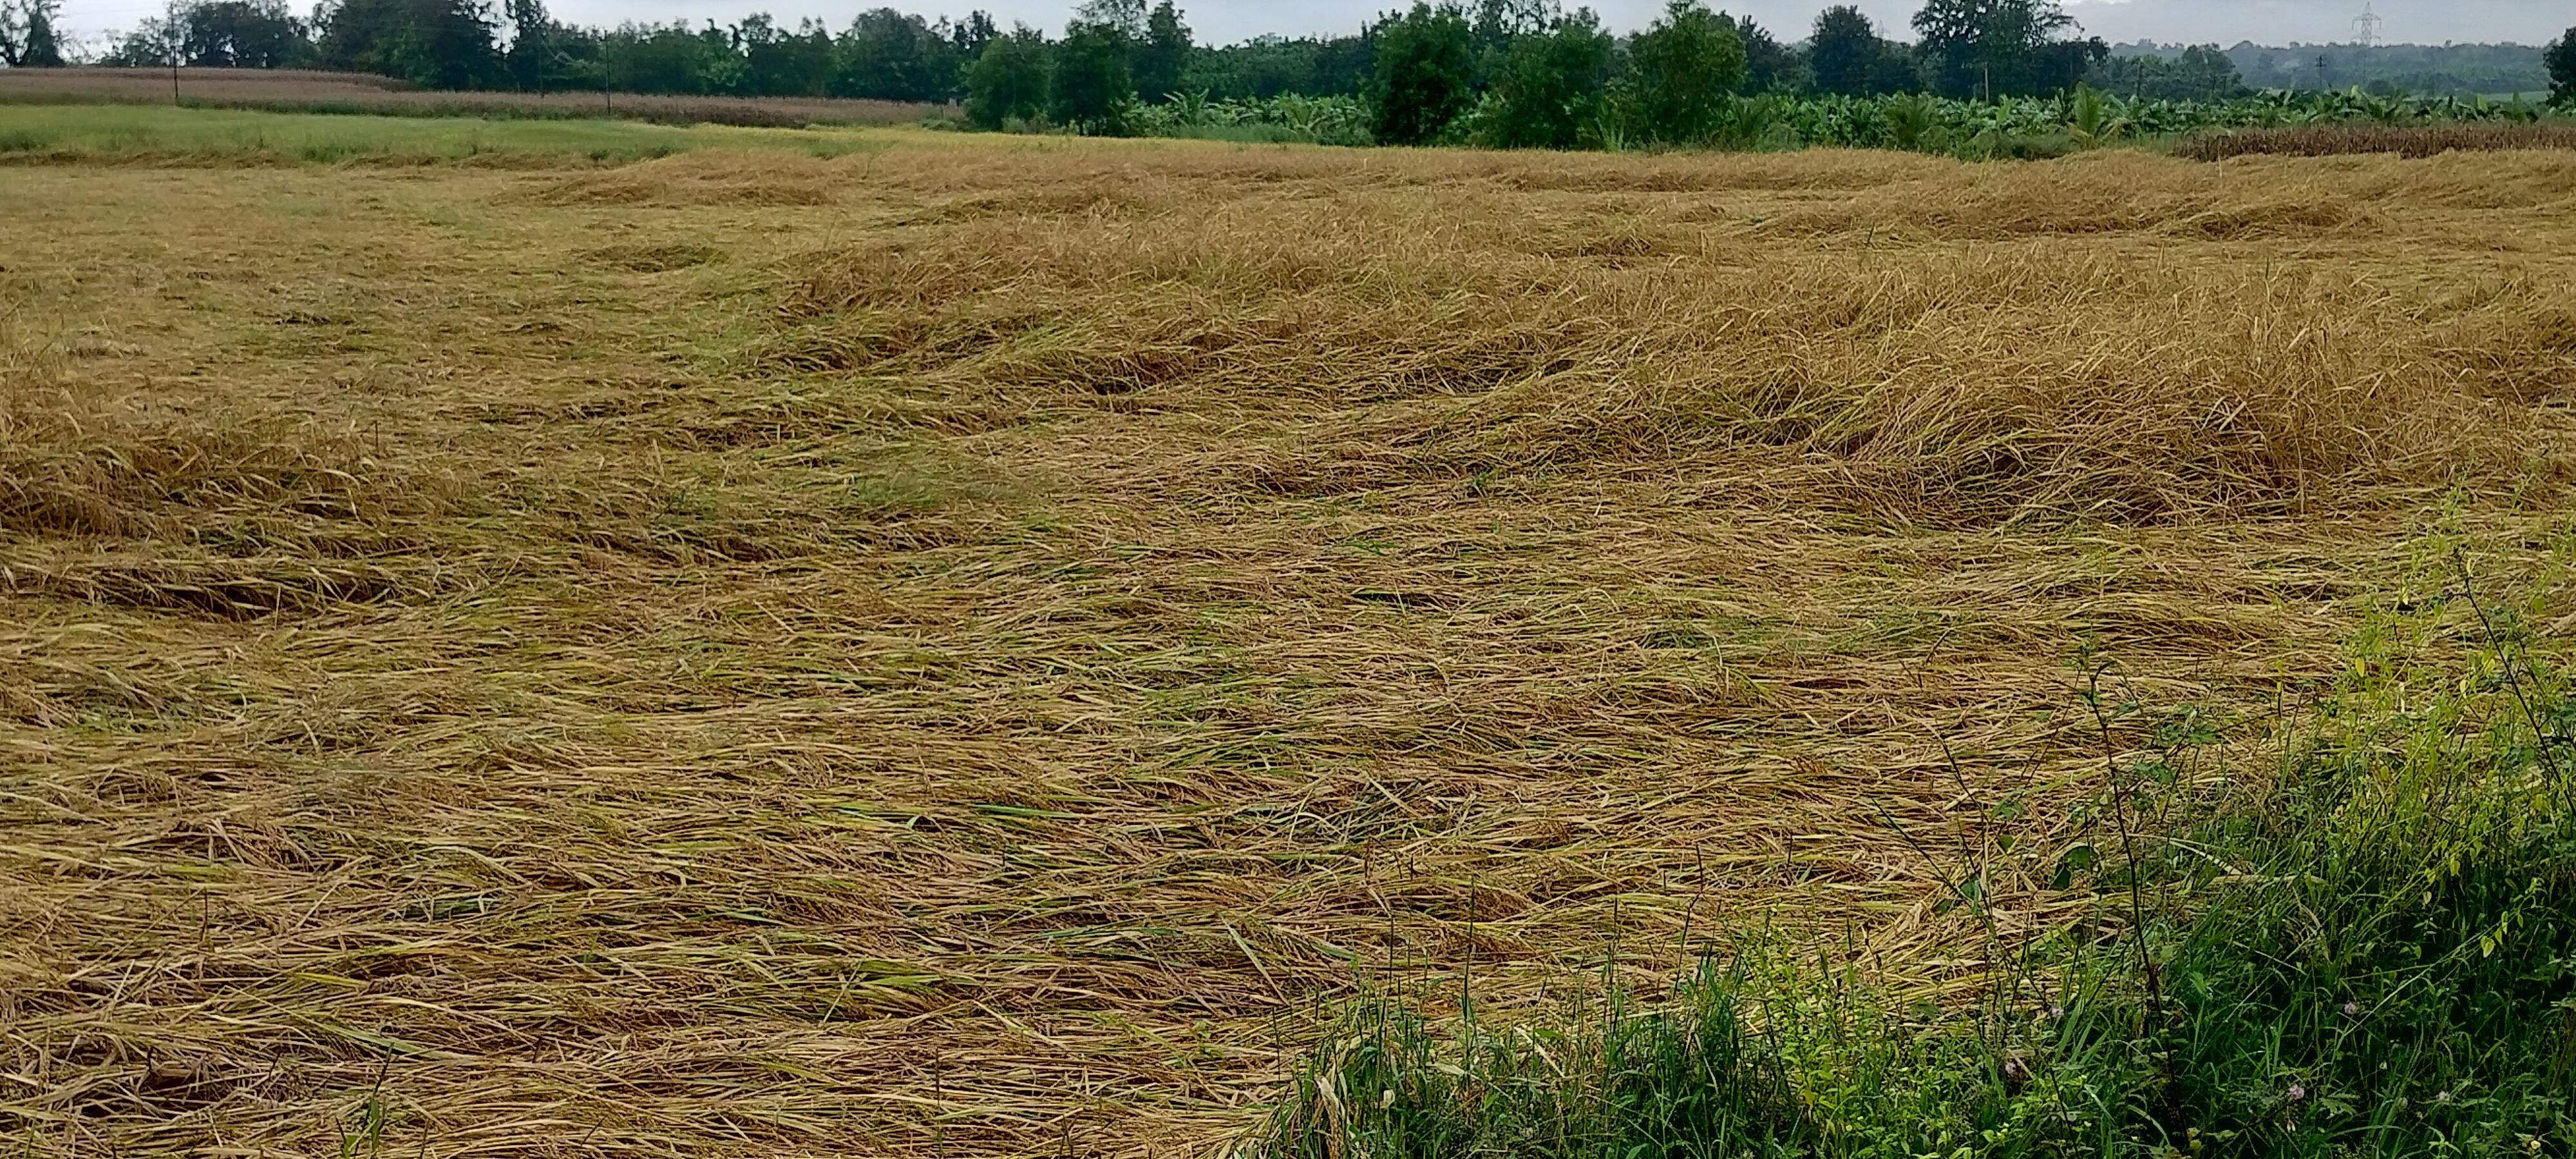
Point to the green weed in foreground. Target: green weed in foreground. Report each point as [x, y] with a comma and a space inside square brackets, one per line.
[2371, 953]
[146, 132]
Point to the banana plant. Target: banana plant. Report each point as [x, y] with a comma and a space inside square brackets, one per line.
[1912, 119]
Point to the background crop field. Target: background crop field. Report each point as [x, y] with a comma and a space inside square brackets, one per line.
[143, 133]
[974, 645]
[349, 92]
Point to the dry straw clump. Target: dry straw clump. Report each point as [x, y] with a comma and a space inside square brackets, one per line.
[1849, 351]
[974, 648]
[713, 178]
[2418, 140]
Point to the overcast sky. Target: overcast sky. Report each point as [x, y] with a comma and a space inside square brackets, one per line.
[1224, 21]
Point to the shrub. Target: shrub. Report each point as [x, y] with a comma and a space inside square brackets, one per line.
[2373, 952]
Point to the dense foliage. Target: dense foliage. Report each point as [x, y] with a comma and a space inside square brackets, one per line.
[1997, 48]
[1847, 58]
[1548, 93]
[2561, 59]
[1685, 67]
[27, 38]
[2199, 72]
[1422, 80]
[883, 54]
[2014, 127]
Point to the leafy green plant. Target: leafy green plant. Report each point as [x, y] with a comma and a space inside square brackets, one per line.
[1287, 117]
[2370, 950]
[2092, 118]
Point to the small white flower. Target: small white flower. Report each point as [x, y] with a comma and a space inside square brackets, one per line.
[2352, 1010]
[2297, 1092]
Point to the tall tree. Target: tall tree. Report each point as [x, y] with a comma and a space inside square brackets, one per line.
[1124, 18]
[969, 36]
[239, 34]
[1495, 24]
[1992, 48]
[1423, 80]
[1768, 64]
[1843, 52]
[1008, 80]
[779, 63]
[1164, 55]
[1090, 88]
[1549, 87]
[153, 42]
[1267, 66]
[2561, 60]
[1683, 67]
[536, 56]
[894, 56]
[670, 58]
[27, 37]
[2060, 65]
[432, 43]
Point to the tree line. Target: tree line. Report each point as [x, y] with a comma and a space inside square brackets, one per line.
[466, 44]
[1967, 48]
[1525, 71]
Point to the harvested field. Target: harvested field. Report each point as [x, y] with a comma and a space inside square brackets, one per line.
[975, 646]
[2405, 140]
[149, 135]
[300, 90]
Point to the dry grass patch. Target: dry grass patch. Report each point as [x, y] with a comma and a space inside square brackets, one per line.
[982, 662]
[709, 178]
[293, 90]
[2402, 139]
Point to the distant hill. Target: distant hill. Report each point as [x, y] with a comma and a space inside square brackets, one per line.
[2426, 69]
